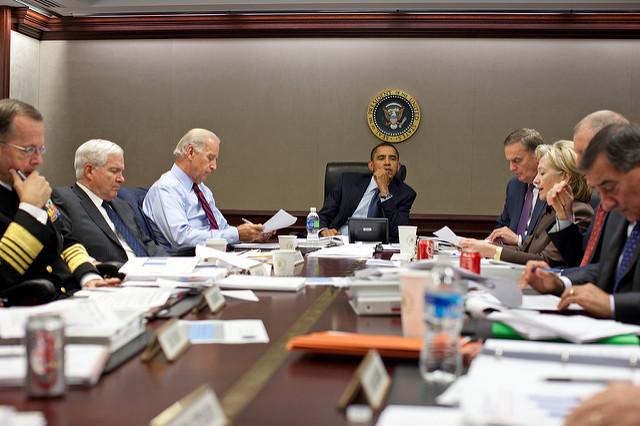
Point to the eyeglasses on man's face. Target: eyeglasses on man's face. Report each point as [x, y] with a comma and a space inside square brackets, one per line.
[29, 150]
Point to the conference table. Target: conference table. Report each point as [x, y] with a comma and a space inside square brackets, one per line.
[257, 384]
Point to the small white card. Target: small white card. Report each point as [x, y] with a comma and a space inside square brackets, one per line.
[199, 407]
[170, 338]
[372, 378]
[215, 299]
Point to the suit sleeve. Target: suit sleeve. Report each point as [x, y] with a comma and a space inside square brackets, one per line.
[570, 241]
[585, 274]
[396, 210]
[504, 219]
[329, 209]
[626, 307]
[20, 245]
[549, 254]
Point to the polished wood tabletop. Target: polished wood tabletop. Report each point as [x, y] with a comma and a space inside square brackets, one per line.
[298, 388]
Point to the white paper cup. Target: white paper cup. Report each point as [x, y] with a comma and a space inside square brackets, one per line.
[412, 287]
[287, 242]
[284, 262]
[407, 236]
[217, 243]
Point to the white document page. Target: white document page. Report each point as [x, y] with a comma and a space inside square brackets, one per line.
[544, 302]
[247, 295]
[154, 267]
[394, 415]
[446, 234]
[83, 364]
[128, 297]
[252, 246]
[357, 251]
[205, 253]
[280, 220]
[10, 417]
[229, 332]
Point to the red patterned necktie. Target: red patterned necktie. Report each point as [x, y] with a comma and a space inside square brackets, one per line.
[595, 235]
[205, 206]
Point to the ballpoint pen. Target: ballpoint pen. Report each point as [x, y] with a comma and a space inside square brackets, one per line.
[247, 221]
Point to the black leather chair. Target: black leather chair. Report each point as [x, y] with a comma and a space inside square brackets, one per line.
[29, 293]
[334, 172]
[135, 197]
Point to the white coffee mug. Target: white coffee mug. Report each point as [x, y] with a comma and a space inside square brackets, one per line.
[407, 236]
[284, 262]
[217, 243]
[287, 242]
[412, 287]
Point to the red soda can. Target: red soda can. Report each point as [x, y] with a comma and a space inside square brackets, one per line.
[45, 356]
[470, 260]
[425, 249]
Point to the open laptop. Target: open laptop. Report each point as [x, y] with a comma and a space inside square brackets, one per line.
[368, 229]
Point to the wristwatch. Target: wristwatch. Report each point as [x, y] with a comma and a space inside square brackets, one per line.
[385, 197]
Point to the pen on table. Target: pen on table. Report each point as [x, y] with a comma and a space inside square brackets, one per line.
[597, 380]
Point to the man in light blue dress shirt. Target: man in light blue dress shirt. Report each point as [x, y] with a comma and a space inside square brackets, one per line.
[179, 205]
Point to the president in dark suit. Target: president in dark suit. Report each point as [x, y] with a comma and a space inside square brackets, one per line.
[522, 206]
[612, 290]
[103, 223]
[379, 194]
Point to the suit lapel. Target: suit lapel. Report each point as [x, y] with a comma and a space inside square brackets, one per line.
[94, 214]
[612, 249]
[634, 259]
[538, 211]
[546, 220]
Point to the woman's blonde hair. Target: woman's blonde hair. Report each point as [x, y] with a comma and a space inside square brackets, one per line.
[562, 158]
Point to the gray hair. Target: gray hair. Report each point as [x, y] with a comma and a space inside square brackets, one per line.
[195, 138]
[9, 109]
[619, 143]
[95, 152]
[598, 120]
[529, 138]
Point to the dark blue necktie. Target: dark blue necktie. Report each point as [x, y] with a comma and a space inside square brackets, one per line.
[627, 255]
[373, 205]
[124, 231]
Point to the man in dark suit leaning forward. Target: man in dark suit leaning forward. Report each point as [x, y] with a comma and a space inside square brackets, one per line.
[379, 194]
[103, 223]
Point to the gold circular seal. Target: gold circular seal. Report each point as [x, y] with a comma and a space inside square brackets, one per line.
[393, 115]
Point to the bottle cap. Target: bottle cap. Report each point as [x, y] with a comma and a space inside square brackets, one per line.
[359, 413]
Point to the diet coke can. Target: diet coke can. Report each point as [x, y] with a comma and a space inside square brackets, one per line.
[470, 260]
[426, 249]
[45, 356]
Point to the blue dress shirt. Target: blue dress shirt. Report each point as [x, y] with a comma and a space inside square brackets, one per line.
[177, 218]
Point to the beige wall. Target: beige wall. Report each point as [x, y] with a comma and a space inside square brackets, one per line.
[24, 75]
[284, 107]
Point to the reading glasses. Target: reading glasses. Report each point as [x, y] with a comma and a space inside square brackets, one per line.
[29, 150]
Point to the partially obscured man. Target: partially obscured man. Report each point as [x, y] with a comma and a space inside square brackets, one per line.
[618, 405]
[522, 207]
[32, 243]
[95, 216]
[379, 194]
[181, 207]
[612, 290]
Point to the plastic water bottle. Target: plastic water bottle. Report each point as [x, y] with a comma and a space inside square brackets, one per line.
[313, 224]
[440, 360]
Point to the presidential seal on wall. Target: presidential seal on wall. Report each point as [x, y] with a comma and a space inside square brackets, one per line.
[393, 115]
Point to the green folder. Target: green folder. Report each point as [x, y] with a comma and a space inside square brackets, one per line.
[503, 331]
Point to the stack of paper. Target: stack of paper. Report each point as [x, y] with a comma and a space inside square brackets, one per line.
[83, 364]
[575, 328]
[183, 269]
[85, 322]
[10, 417]
[358, 251]
[250, 282]
[208, 255]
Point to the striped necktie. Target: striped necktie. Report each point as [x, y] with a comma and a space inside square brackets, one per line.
[124, 231]
[594, 237]
[213, 224]
[627, 255]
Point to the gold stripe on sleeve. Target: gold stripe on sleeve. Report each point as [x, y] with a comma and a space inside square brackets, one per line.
[75, 256]
[18, 247]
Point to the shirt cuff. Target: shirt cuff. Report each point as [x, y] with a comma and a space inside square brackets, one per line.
[564, 223]
[88, 277]
[387, 198]
[612, 304]
[519, 240]
[38, 214]
[566, 282]
[230, 234]
[498, 253]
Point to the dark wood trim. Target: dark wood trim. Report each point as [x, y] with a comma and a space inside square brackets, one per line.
[534, 25]
[5, 51]
[475, 226]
